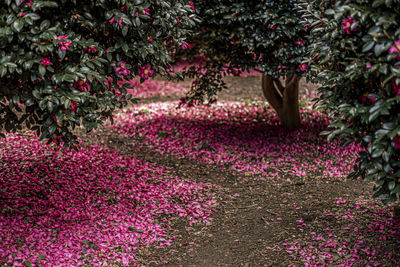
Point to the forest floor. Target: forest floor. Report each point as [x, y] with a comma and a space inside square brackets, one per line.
[220, 185]
[310, 219]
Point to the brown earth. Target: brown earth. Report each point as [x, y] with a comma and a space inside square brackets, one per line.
[254, 217]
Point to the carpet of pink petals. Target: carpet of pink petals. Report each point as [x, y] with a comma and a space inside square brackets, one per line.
[349, 244]
[96, 206]
[87, 207]
[154, 88]
[245, 138]
[248, 139]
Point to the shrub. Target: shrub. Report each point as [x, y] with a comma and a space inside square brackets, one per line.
[60, 60]
[356, 53]
[235, 36]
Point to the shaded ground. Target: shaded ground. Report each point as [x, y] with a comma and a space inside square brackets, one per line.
[257, 221]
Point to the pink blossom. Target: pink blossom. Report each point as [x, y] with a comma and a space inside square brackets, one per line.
[396, 141]
[64, 45]
[184, 45]
[299, 43]
[145, 72]
[45, 61]
[82, 85]
[347, 25]
[74, 106]
[112, 20]
[303, 67]
[92, 49]
[395, 49]
[147, 11]
[122, 70]
[272, 27]
[62, 37]
[27, 2]
[395, 87]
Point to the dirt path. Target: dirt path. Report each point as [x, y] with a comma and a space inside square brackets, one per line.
[254, 218]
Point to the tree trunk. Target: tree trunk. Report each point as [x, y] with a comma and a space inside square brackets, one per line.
[284, 99]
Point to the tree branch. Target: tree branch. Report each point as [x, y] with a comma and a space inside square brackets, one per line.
[279, 85]
[271, 93]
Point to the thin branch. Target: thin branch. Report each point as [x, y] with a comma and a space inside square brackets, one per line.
[279, 85]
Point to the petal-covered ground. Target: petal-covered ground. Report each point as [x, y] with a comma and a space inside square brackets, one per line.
[283, 198]
[93, 206]
[154, 88]
[245, 138]
[356, 233]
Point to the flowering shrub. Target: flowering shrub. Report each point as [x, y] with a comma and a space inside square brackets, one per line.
[60, 60]
[235, 36]
[356, 53]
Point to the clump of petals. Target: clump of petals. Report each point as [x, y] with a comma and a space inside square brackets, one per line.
[396, 141]
[395, 49]
[122, 70]
[45, 61]
[303, 67]
[347, 25]
[145, 72]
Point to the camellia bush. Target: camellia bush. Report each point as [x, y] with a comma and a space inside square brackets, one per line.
[60, 61]
[236, 36]
[356, 52]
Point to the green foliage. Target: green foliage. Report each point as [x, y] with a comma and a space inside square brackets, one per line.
[266, 35]
[60, 61]
[355, 54]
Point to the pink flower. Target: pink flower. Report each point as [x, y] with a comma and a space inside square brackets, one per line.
[145, 72]
[74, 105]
[396, 141]
[299, 43]
[120, 22]
[65, 45]
[184, 45]
[369, 65]
[92, 49]
[82, 85]
[395, 49]
[303, 67]
[27, 2]
[62, 37]
[112, 20]
[122, 70]
[272, 27]
[22, 14]
[307, 26]
[347, 25]
[236, 73]
[45, 61]
[191, 5]
[396, 87]
[147, 11]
